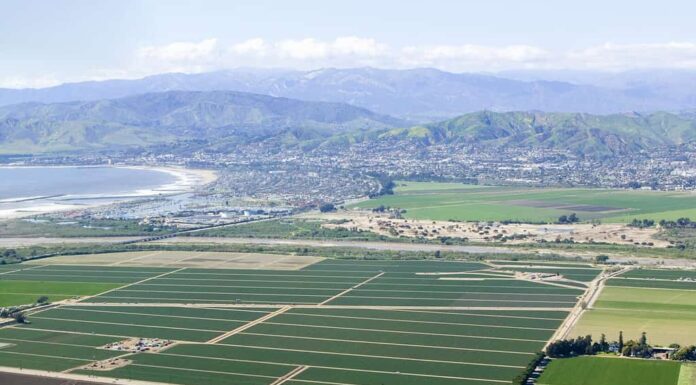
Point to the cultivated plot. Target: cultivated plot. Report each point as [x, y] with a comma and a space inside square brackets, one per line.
[666, 315]
[333, 322]
[442, 201]
[193, 259]
[610, 371]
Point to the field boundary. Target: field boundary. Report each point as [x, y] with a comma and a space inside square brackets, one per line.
[351, 289]
[131, 284]
[293, 373]
[249, 325]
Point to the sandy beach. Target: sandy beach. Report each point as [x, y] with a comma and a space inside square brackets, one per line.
[186, 180]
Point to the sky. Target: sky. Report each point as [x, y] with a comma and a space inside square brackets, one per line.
[44, 43]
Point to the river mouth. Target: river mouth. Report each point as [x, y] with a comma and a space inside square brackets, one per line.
[36, 190]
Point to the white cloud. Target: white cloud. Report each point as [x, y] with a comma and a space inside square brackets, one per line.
[30, 81]
[611, 56]
[473, 57]
[255, 46]
[180, 51]
[355, 51]
[349, 47]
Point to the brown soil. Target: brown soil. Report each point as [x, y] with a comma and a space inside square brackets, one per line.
[483, 232]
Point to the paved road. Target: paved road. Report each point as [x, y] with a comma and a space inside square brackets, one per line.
[333, 243]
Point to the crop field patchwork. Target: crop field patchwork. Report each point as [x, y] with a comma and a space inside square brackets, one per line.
[445, 201]
[333, 322]
[661, 303]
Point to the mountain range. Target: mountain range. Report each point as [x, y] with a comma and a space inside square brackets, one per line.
[225, 119]
[168, 117]
[417, 95]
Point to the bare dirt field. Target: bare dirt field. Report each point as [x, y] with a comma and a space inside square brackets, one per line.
[383, 224]
[192, 259]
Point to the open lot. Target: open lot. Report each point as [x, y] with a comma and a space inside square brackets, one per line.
[610, 371]
[333, 322]
[443, 201]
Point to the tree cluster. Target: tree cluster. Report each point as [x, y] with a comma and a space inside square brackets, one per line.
[681, 223]
[327, 207]
[521, 379]
[638, 348]
[572, 347]
[642, 223]
[686, 353]
[566, 219]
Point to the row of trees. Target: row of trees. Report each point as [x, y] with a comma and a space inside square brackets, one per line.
[679, 223]
[521, 379]
[582, 346]
[642, 223]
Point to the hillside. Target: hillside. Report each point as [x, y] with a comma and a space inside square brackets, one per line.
[578, 133]
[421, 95]
[149, 119]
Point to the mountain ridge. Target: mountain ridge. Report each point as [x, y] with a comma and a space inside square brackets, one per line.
[420, 95]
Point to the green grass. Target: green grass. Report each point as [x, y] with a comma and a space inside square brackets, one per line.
[50, 227]
[610, 371]
[290, 228]
[443, 201]
[687, 375]
[661, 274]
[34, 349]
[667, 316]
[24, 292]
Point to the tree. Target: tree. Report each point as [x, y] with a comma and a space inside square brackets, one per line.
[601, 258]
[19, 317]
[603, 344]
[687, 353]
[42, 300]
[327, 207]
[643, 339]
[621, 341]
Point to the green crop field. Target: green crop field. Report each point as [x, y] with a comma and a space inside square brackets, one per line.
[24, 292]
[610, 371]
[343, 322]
[451, 201]
[666, 315]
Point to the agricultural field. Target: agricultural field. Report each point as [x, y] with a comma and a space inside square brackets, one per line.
[658, 302]
[612, 371]
[178, 259]
[451, 201]
[332, 322]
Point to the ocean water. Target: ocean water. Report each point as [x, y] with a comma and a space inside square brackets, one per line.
[24, 182]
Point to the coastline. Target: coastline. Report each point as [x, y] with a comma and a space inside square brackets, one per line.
[186, 180]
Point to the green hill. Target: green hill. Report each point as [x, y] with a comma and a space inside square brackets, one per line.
[578, 133]
[150, 119]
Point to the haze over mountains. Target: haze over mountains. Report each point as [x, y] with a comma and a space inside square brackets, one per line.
[168, 117]
[224, 120]
[595, 115]
[420, 95]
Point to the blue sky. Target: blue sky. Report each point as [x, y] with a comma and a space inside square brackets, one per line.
[52, 41]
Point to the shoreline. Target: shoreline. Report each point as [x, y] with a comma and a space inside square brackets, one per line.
[186, 180]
